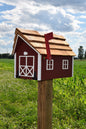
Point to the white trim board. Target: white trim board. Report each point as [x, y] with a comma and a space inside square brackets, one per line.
[39, 67]
[72, 65]
[15, 65]
[15, 44]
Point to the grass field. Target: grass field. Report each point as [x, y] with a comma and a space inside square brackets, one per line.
[18, 99]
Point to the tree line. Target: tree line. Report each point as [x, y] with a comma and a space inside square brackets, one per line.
[81, 53]
[6, 56]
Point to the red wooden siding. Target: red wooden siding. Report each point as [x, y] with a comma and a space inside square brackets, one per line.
[57, 72]
[20, 49]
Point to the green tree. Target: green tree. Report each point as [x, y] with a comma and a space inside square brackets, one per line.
[0, 55]
[85, 54]
[80, 52]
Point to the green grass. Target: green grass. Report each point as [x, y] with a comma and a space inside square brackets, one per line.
[18, 99]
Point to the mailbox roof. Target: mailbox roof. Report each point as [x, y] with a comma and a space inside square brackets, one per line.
[58, 45]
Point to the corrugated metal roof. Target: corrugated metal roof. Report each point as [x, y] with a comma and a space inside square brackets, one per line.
[58, 45]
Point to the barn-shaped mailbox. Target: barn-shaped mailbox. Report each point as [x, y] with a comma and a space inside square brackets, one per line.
[30, 54]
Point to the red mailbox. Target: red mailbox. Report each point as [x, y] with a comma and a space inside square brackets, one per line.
[30, 56]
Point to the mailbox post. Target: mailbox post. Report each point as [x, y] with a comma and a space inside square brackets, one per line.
[45, 89]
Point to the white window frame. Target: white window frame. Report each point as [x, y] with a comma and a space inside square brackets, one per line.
[15, 65]
[48, 64]
[65, 64]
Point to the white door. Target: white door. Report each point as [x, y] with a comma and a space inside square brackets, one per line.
[26, 66]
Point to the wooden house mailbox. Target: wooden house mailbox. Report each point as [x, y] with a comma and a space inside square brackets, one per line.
[43, 58]
[30, 56]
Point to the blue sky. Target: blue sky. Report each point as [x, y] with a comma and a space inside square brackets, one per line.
[64, 17]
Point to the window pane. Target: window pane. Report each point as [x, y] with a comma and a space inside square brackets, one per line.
[49, 64]
[30, 61]
[48, 67]
[22, 60]
[65, 64]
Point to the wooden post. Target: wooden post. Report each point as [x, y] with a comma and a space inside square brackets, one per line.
[45, 104]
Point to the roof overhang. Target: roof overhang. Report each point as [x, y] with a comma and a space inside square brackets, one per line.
[58, 45]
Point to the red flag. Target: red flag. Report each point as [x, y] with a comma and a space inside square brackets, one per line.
[48, 36]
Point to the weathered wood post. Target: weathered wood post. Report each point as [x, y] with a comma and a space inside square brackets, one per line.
[45, 104]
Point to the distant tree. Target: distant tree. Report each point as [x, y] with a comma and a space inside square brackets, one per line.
[80, 52]
[85, 54]
[0, 55]
[5, 55]
[11, 57]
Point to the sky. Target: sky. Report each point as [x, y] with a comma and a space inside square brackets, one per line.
[62, 17]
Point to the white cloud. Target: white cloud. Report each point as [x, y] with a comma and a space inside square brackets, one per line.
[41, 17]
[4, 27]
[83, 16]
[78, 5]
[1, 4]
[76, 40]
[6, 32]
[5, 50]
[4, 42]
[51, 15]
